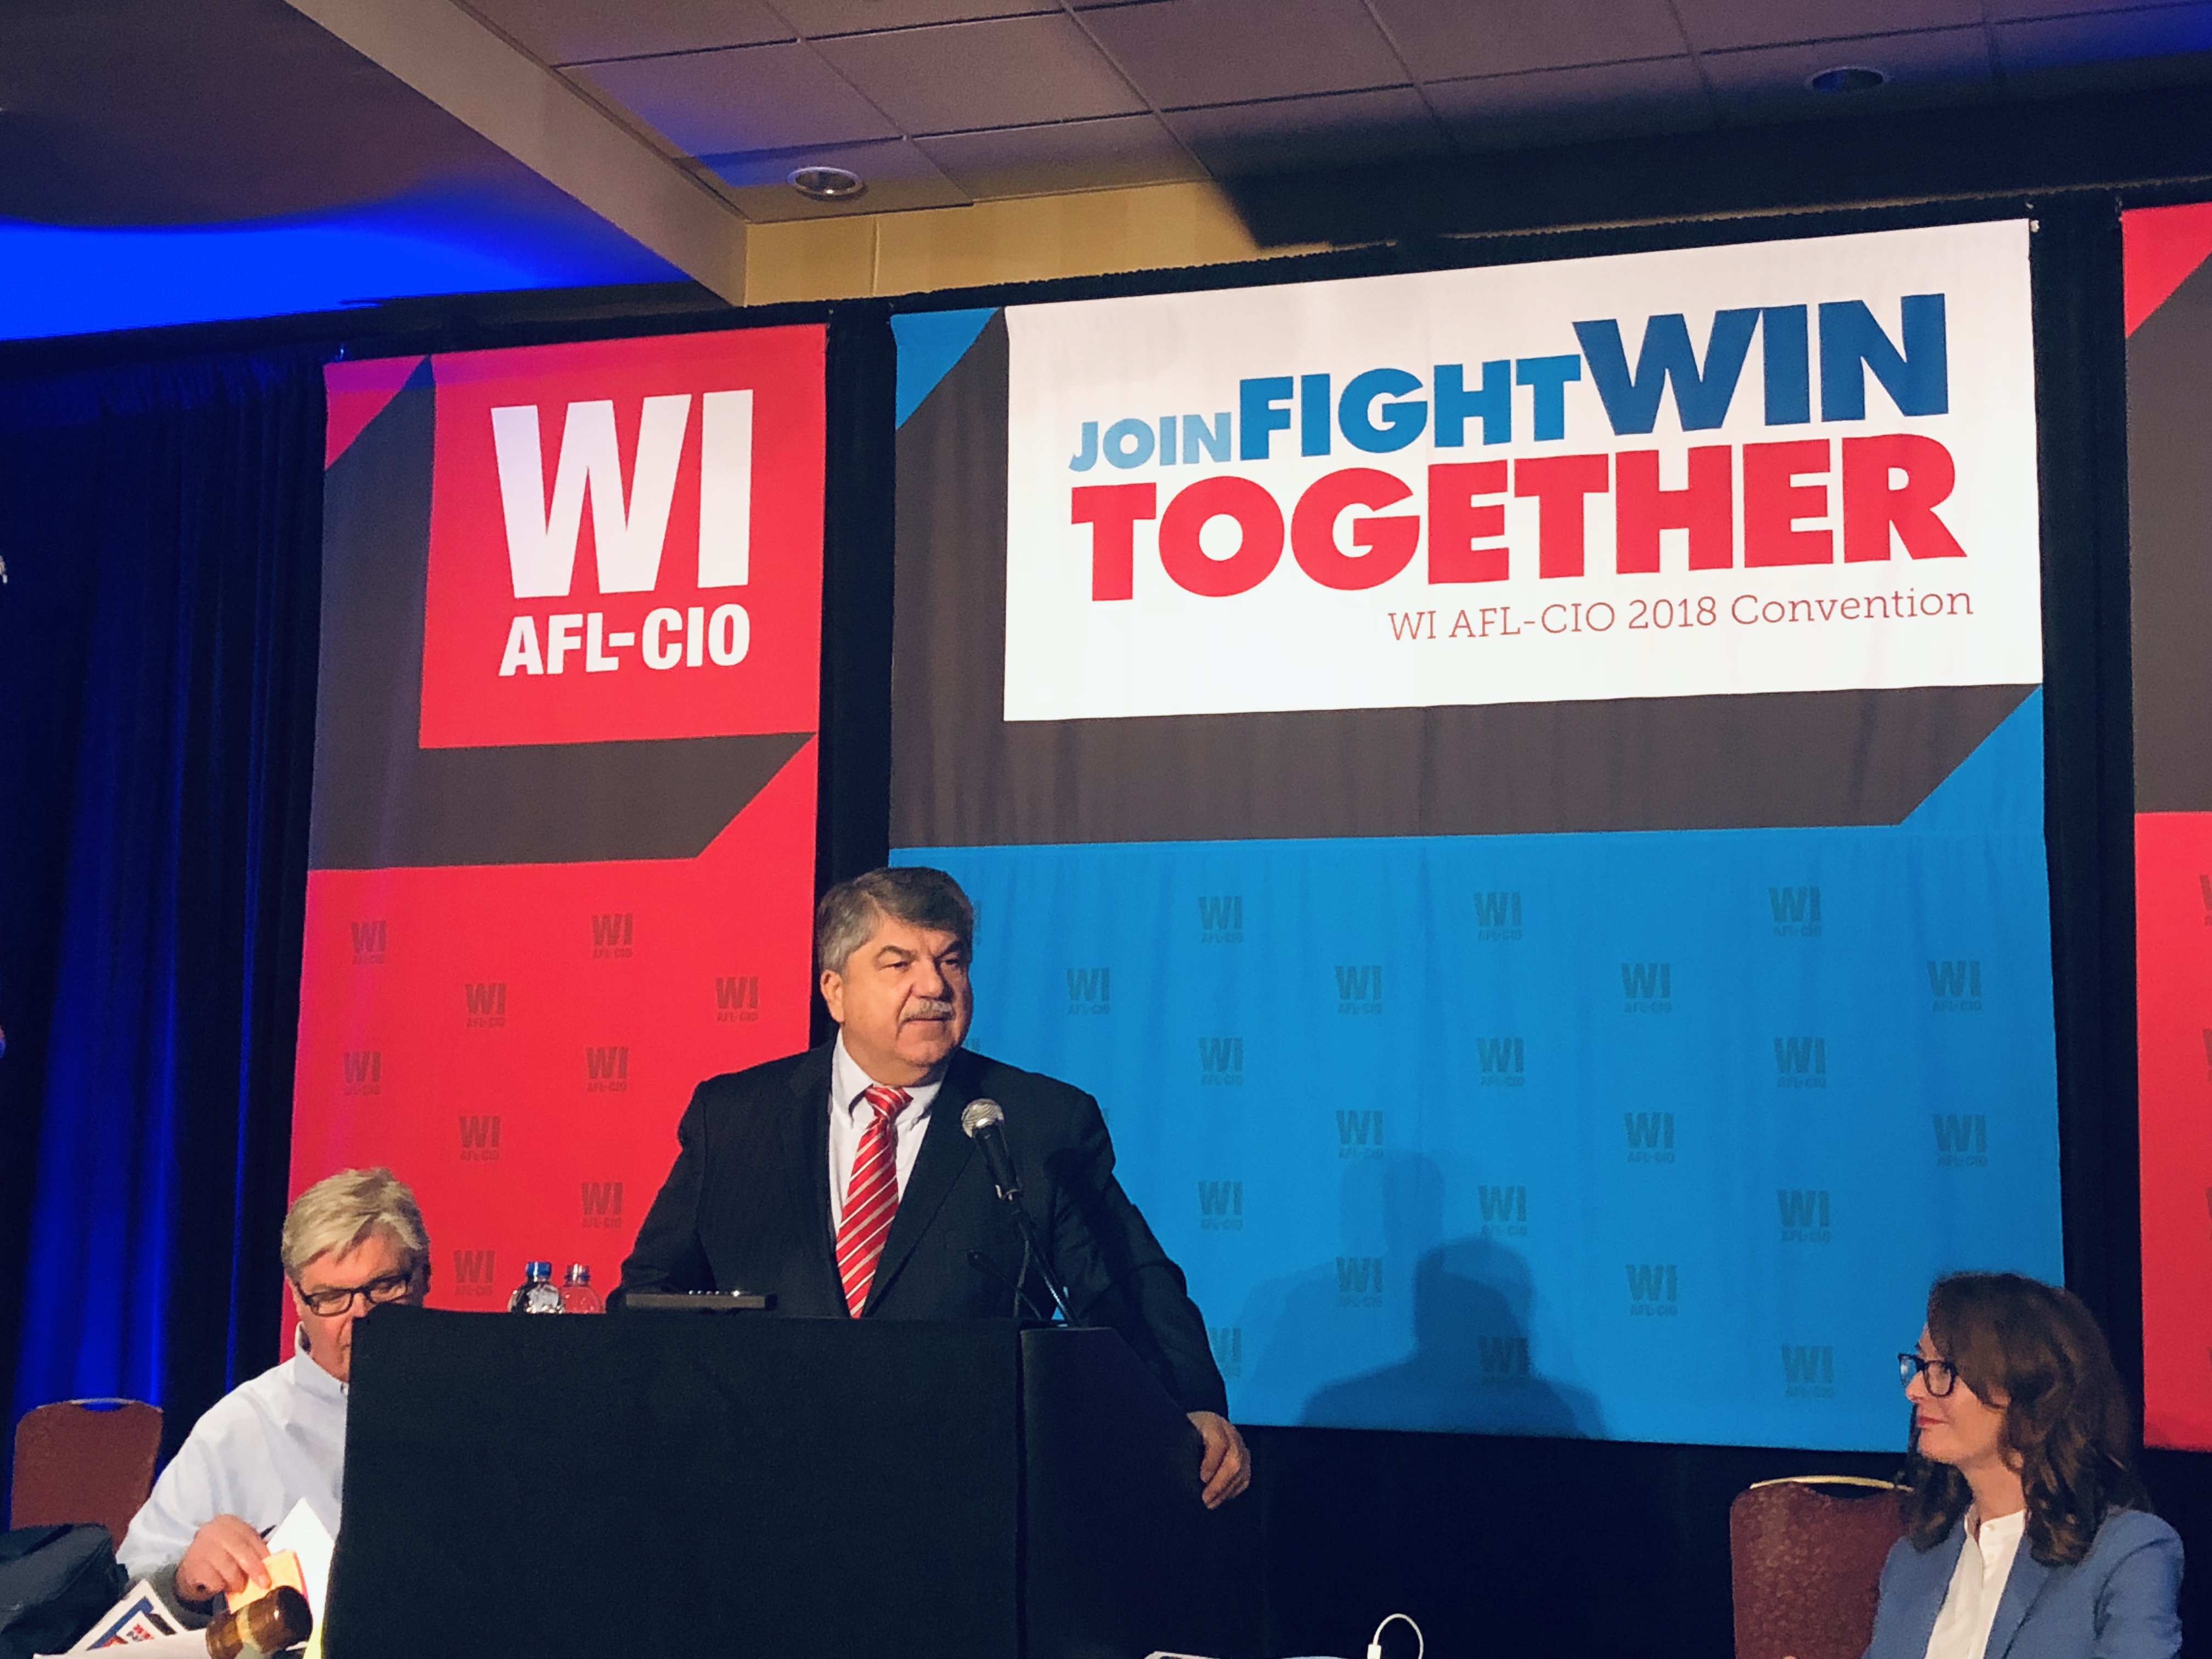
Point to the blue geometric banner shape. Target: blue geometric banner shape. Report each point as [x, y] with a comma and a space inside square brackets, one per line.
[1646, 1136]
[929, 342]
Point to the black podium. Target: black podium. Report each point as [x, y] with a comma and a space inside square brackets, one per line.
[742, 1484]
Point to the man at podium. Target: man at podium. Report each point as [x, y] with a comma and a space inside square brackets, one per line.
[840, 1181]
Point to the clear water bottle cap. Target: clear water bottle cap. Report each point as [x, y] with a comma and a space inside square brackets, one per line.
[580, 1274]
[539, 1270]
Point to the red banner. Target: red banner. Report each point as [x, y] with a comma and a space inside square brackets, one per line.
[2169, 320]
[2173, 1009]
[563, 826]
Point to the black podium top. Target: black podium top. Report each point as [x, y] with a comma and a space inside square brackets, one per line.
[749, 1484]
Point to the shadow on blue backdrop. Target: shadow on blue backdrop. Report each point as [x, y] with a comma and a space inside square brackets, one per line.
[1469, 1301]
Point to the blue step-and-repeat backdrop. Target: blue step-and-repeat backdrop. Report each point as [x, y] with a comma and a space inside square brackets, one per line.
[1517, 1013]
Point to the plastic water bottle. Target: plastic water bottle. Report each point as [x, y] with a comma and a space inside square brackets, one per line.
[577, 1296]
[538, 1294]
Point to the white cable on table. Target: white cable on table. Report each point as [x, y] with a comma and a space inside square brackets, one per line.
[1375, 1646]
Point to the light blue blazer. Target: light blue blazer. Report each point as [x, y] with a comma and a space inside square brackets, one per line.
[2118, 1603]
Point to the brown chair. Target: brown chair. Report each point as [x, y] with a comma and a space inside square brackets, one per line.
[1805, 1556]
[86, 1460]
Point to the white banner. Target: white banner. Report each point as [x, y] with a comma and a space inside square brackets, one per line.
[1789, 466]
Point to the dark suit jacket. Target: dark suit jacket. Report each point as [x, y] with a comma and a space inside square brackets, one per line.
[747, 1208]
[2118, 1603]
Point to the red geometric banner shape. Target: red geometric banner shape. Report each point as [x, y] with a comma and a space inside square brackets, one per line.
[356, 393]
[559, 900]
[2161, 248]
[517, 1044]
[2169, 321]
[2173, 1012]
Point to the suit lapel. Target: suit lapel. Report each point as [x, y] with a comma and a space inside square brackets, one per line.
[1937, 1565]
[944, 1153]
[810, 1083]
[2023, 1584]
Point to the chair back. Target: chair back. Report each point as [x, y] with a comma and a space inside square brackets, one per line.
[86, 1461]
[1805, 1556]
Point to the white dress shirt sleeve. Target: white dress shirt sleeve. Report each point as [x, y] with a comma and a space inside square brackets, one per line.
[262, 1448]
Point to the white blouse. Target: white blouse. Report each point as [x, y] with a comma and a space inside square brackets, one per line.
[1962, 1629]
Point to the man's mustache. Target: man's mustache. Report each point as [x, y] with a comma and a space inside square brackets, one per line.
[926, 1008]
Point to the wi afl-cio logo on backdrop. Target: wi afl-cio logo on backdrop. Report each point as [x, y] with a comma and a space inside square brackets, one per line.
[625, 541]
[630, 530]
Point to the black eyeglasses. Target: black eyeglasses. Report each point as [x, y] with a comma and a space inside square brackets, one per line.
[376, 1293]
[1938, 1374]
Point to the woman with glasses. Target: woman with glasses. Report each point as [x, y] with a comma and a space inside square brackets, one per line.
[2027, 1535]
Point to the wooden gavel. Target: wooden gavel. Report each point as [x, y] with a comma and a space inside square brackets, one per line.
[268, 1623]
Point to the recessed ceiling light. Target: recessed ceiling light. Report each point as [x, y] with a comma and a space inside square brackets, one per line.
[827, 183]
[1847, 78]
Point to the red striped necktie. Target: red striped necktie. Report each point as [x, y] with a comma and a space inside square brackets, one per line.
[871, 1198]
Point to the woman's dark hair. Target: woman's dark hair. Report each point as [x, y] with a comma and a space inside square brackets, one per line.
[2067, 1422]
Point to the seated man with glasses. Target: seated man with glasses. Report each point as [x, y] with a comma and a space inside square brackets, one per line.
[351, 1242]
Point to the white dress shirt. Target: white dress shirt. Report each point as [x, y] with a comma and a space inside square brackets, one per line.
[1962, 1628]
[269, 1443]
[850, 1115]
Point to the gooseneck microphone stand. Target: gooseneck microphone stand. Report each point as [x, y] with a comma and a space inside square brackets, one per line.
[984, 1122]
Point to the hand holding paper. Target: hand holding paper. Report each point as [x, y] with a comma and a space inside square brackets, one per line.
[225, 1555]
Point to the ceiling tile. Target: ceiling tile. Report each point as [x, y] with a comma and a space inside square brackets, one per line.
[1188, 52]
[1006, 72]
[1573, 106]
[2144, 32]
[1288, 135]
[574, 30]
[1445, 40]
[818, 17]
[1767, 83]
[716, 103]
[898, 176]
[1723, 25]
[1105, 155]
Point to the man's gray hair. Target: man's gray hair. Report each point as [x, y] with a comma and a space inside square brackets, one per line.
[916, 894]
[336, 1213]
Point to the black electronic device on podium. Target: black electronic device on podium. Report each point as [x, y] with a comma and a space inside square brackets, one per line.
[645, 1485]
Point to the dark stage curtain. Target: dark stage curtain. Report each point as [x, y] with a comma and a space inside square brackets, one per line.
[160, 526]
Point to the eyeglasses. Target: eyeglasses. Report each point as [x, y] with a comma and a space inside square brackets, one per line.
[1938, 1374]
[377, 1292]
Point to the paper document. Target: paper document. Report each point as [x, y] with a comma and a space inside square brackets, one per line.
[299, 1555]
[138, 1617]
[186, 1644]
[302, 1535]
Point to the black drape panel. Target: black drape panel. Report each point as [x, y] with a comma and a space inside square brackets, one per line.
[2089, 825]
[853, 817]
[160, 526]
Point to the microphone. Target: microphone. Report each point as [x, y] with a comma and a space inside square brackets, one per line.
[984, 1123]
